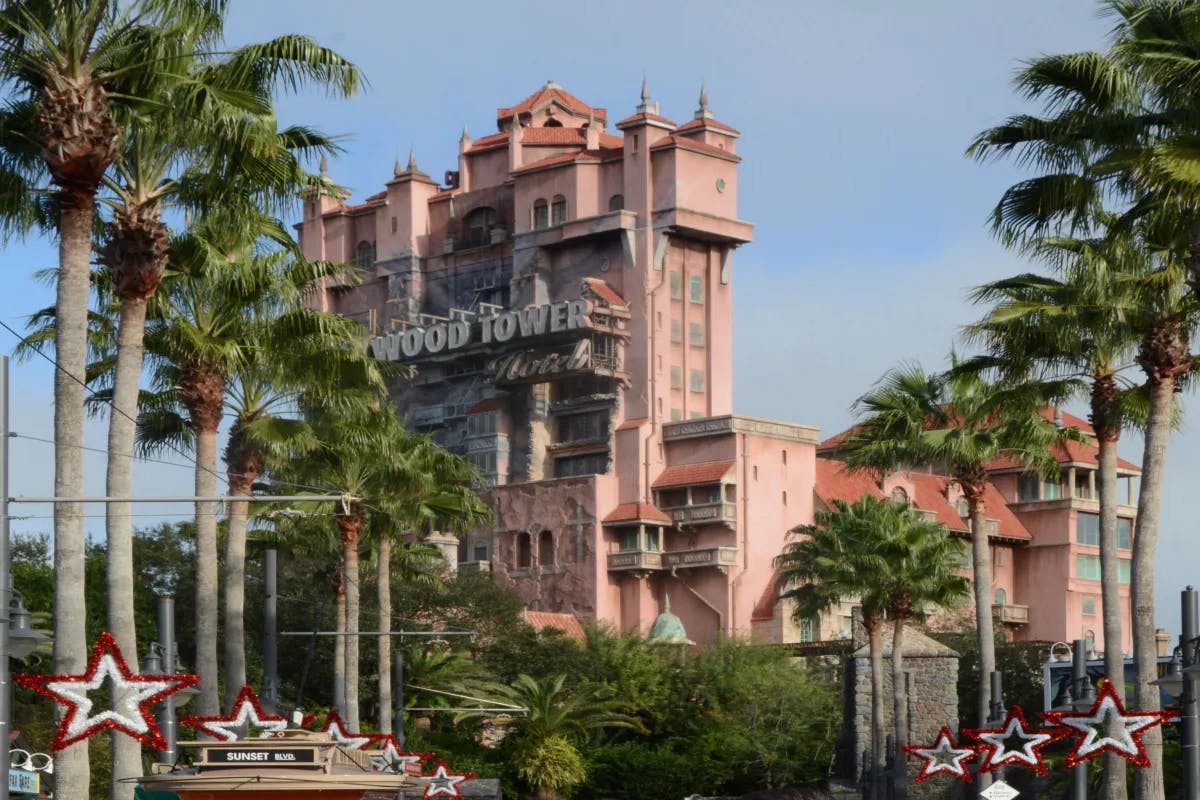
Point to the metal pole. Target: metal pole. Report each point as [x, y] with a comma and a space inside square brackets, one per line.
[1078, 677]
[270, 684]
[167, 722]
[398, 695]
[5, 581]
[1189, 722]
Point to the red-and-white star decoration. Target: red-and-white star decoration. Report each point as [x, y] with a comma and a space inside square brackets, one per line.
[1107, 709]
[994, 743]
[133, 697]
[443, 783]
[391, 757]
[246, 711]
[336, 728]
[943, 757]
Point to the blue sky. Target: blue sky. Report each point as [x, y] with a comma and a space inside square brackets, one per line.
[855, 115]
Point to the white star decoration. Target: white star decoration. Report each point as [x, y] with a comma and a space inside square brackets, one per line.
[393, 759]
[443, 784]
[132, 697]
[352, 741]
[995, 743]
[246, 711]
[1108, 713]
[943, 757]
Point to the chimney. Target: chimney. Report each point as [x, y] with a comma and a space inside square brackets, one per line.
[593, 132]
[514, 144]
[464, 167]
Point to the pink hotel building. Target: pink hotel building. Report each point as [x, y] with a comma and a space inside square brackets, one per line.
[564, 296]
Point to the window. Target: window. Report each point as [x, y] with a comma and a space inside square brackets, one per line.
[589, 464]
[1089, 641]
[696, 289]
[1001, 597]
[1124, 533]
[1083, 489]
[1089, 606]
[696, 334]
[1087, 528]
[364, 256]
[962, 507]
[808, 629]
[477, 227]
[785, 498]
[1124, 570]
[677, 331]
[1027, 488]
[629, 540]
[653, 541]
[592, 426]
[616, 202]
[395, 224]
[558, 210]
[676, 414]
[676, 376]
[524, 551]
[1052, 490]
[484, 463]
[968, 559]
[696, 415]
[783, 456]
[1087, 568]
[696, 380]
[482, 424]
[676, 286]
[552, 123]
[541, 214]
[899, 495]
[546, 549]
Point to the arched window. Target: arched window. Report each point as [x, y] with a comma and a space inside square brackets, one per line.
[899, 495]
[477, 226]
[364, 255]
[552, 123]
[963, 507]
[1089, 642]
[558, 210]
[1001, 597]
[546, 549]
[616, 202]
[541, 214]
[524, 551]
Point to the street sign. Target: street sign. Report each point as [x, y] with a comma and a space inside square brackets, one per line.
[999, 791]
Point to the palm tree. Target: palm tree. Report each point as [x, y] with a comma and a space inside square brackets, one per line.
[959, 422]
[1077, 327]
[546, 737]
[923, 566]
[833, 560]
[76, 72]
[207, 322]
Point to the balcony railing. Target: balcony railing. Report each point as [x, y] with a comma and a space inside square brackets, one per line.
[701, 557]
[705, 512]
[470, 567]
[635, 560]
[1010, 614]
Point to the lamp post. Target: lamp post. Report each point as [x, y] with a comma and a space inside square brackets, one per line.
[1180, 680]
[163, 657]
[1078, 695]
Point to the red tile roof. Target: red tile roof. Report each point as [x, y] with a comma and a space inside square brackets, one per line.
[377, 196]
[604, 291]
[764, 609]
[549, 94]
[631, 424]
[837, 482]
[567, 623]
[693, 474]
[1067, 453]
[645, 117]
[684, 142]
[580, 156]
[634, 512]
[708, 123]
[488, 142]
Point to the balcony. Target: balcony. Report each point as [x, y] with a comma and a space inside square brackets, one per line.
[1010, 614]
[474, 567]
[635, 561]
[720, 557]
[705, 512]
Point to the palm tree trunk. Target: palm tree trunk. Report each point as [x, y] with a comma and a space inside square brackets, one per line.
[982, 556]
[206, 572]
[1148, 782]
[339, 649]
[383, 587]
[234, 635]
[878, 736]
[899, 698]
[71, 770]
[350, 526]
[122, 428]
[1114, 658]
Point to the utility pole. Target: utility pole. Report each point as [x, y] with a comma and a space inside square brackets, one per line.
[1189, 721]
[270, 683]
[5, 582]
[167, 721]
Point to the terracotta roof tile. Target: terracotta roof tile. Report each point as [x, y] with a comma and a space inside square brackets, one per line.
[581, 156]
[668, 142]
[836, 482]
[547, 94]
[692, 474]
[634, 512]
[764, 609]
[488, 142]
[377, 196]
[604, 291]
[567, 623]
[708, 123]
[645, 117]
[1067, 453]
[631, 424]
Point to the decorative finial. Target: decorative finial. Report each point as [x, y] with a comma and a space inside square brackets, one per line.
[324, 165]
[396, 168]
[645, 91]
[666, 602]
[551, 84]
[412, 159]
[466, 134]
[702, 112]
[516, 121]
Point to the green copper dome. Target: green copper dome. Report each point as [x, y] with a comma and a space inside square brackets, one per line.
[668, 628]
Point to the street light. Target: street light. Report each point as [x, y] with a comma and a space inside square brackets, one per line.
[22, 638]
[1078, 694]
